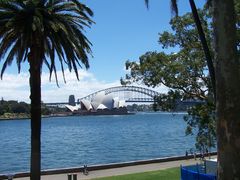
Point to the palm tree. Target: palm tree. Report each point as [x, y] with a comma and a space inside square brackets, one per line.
[37, 31]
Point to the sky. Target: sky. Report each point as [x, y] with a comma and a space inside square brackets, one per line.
[123, 30]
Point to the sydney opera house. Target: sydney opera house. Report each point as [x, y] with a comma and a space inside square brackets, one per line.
[100, 104]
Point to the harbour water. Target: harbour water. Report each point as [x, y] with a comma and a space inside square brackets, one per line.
[77, 140]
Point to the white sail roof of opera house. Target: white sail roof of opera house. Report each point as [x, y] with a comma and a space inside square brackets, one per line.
[101, 98]
[108, 101]
[87, 104]
[99, 101]
[101, 106]
[73, 108]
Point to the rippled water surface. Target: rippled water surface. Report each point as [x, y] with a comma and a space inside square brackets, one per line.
[77, 140]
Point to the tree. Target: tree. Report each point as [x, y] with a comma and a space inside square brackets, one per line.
[184, 73]
[228, 88]
[208, 57]
[227, 73]
[37, 31]
[21, 107]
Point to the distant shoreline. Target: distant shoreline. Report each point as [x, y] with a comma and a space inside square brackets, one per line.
[24, 118]
[87, 114]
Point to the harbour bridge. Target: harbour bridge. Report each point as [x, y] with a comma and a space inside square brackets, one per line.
[130, 94]
[127, 93]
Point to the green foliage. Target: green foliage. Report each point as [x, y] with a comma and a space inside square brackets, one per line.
[54, 27]
[201, 117]
[185, 73]
[167, 102]
[14, 107]
[21, 107]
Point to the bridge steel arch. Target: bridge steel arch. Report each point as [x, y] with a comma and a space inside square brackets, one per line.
[141, 90]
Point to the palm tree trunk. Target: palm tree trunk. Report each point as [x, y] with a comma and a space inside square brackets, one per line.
[204, 45]
[228, 90]
[35, 91]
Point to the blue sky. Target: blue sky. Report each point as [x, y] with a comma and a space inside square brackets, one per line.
[124, 30]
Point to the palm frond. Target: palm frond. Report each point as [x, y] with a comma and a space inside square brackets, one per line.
[55, 27]
[9, 6]
[83, 8]
[10, 57]
[147, 3]
[174, 7]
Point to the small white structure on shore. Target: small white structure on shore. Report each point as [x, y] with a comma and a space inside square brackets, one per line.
[211, 166]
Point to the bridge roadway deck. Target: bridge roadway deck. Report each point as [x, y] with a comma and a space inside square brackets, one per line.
[122, 170]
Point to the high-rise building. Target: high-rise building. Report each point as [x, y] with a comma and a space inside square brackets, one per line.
[71, 100]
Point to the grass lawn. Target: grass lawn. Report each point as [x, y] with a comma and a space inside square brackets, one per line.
[167, 174]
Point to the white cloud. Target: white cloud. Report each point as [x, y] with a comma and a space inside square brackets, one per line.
[16, 86]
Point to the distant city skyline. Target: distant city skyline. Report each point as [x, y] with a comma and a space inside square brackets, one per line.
[124, 30]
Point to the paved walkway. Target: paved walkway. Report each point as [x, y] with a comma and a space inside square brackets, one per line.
[121, 171]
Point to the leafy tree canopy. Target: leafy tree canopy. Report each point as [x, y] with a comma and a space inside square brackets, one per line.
[13, 107]
[184, 72]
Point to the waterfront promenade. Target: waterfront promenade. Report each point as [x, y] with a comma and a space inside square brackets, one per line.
[121, 170]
